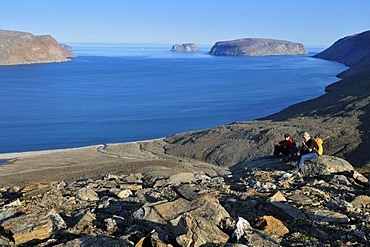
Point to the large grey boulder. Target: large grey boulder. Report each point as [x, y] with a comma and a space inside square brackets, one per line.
[325, 165]
[192, 231]
[206, 206]
[327, 216]
[256, 47]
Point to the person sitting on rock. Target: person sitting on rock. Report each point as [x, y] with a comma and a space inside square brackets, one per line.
[307, 151]
[284, 147]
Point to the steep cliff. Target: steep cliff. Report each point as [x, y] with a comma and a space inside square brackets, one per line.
[256, 47]
[353, 51]
[26, 48]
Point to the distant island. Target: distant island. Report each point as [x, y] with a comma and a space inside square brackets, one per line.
[26, 48]
[256, 47]
[187, 47]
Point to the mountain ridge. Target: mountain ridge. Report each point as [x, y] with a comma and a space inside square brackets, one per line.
[25, 48]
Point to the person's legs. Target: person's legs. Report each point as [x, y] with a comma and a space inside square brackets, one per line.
[292, 154]
[277, 150]
[303, 158]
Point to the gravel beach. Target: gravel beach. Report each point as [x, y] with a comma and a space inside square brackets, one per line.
[70, 164]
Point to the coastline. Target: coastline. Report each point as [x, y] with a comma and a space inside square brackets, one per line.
[145, 157]
[15, 155]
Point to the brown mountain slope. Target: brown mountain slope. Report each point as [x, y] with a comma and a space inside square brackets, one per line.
[341, 117]
[26, 48]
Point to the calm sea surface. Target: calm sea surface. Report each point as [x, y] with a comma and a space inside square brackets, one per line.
[115, 93]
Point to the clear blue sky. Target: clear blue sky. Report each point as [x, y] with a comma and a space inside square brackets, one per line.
[311, 22]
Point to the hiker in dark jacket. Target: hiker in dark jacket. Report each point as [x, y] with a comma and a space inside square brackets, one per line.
[285, 146]
[307, 151]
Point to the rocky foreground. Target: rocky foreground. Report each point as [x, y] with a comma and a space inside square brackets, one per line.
[258, 203]
[26, 48]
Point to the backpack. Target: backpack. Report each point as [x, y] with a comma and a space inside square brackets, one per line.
[319, 142]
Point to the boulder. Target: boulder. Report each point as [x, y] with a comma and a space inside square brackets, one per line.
[285, 211]
[87, 194]
[196, 231]
[325, 165]
[176, 179]
[244, 233]
[100, 240]
[123, 193]
[206, 206]
[330, 217]
[271, 226]
[242, 227]
[262, 186]
[81, 220]
[277, 197]
[33, 226]
[361, 201]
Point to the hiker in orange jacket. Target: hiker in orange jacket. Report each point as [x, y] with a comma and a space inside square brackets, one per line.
[308, 150]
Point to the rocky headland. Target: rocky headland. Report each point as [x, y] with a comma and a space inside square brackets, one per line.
[214, 187]
[346, 51]
[256, 47]
[187, 47]
[26, 48]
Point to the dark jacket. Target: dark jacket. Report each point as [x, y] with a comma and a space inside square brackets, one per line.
[311, 145]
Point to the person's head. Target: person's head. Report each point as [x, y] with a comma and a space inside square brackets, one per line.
[306, 136]
[286, 136]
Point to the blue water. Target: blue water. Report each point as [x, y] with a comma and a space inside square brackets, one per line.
[115, 93]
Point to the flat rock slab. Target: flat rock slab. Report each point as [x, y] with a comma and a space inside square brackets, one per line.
[327, 216]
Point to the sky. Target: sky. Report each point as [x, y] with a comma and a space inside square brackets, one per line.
[203, 22]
